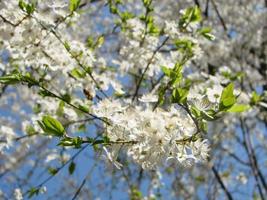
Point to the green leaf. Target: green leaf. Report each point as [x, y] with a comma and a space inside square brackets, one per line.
[232, 76]
[66, 141]
[100, 40]
[75, 142]
[200, 179]
[84, 108]
[60, 109]
[81, 128]
[185, 46]
[147, 3]
[37, 108]
[72, 167]
[255, 98]
[52, 171]
[209, 36]
[118, 2]
[77, 73]
[22, 4]
[206, 32]
[166, 71]
[195, 111]
[153, 29]
[32, 192]
[161, 94]
[51, 126]
[135, 193]
[30, 130]
[192, 14]
[28, 8]
[179, 95]
[203, 126]
[90, 42]
[126, 16]
[207, 115]
[74, 4]
[67, 46]
[113, 9]
[228, 98]
[239, 108]
[174, 74]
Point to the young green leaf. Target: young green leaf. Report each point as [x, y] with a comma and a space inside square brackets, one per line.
[195, 111]
[67, 46]
[72, 167]
[22, 4]
[147, 3]
[179, 95]
[166, 71]
[239, 108]
[206, 115]
[206, 32]
[27, 7]
[30, 130]
[255, 98]
[190, 15]
[228, 98]
[51, 126]
[100, 40]
[52, 171]
[83, 108]
[32, 192]
[74, 4]
[75, 142]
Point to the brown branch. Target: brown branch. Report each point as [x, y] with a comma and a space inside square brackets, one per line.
[147, 67]
[11, 23]
[234, 156]
[78, 191]
[197, 3]
[60, 168]
[206, 13]
[219, 15]
[254, 159]
[218, 177]
[253, 165]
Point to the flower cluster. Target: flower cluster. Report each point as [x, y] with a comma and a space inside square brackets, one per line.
[152, 137]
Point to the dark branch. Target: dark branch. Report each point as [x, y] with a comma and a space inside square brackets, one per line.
[220, 181]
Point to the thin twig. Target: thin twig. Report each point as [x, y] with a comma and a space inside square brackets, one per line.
[60, 168]
[252, 162]
[218, 177]
[83, 182]
[11, 23]
[206, 13]
[147, 66]
[219, 15]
